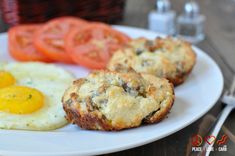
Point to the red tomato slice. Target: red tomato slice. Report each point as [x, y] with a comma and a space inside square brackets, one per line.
[93, 45]
[20, 43]
[50, 38]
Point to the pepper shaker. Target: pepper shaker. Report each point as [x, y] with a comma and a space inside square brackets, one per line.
[163, 18]
[190, 24]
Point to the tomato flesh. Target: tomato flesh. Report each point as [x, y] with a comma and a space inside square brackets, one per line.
[20, 43]
[49, 40]
[94, 45]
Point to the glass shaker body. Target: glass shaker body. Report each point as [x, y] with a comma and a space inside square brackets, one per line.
[163, 22]
[191, 28]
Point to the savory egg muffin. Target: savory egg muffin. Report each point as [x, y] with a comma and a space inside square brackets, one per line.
[106, 100]
[163, 57]
[30, 96]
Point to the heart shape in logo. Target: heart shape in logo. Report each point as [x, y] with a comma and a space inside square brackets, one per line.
[210, 139]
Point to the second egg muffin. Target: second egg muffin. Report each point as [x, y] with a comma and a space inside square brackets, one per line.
[169, 58]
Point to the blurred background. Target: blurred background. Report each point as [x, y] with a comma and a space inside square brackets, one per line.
[15, 12]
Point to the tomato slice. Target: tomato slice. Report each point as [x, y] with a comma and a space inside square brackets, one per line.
[93, 45]
[50, 38]
[20, 43]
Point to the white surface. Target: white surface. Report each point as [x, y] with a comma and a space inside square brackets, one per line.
[193, 99]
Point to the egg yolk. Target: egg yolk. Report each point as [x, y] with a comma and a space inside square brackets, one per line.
[6, 79]
[20, 100]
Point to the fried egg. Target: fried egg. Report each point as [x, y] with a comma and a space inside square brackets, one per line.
[30, 96]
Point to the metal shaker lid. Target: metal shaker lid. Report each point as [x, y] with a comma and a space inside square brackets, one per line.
[191, 9]
[163, 5]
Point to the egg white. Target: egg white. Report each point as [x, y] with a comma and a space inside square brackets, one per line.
[52, 82]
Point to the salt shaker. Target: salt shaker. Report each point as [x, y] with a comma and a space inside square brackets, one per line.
[163, 18]
[190, 24]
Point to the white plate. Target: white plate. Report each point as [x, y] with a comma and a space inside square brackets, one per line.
[193, 99]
